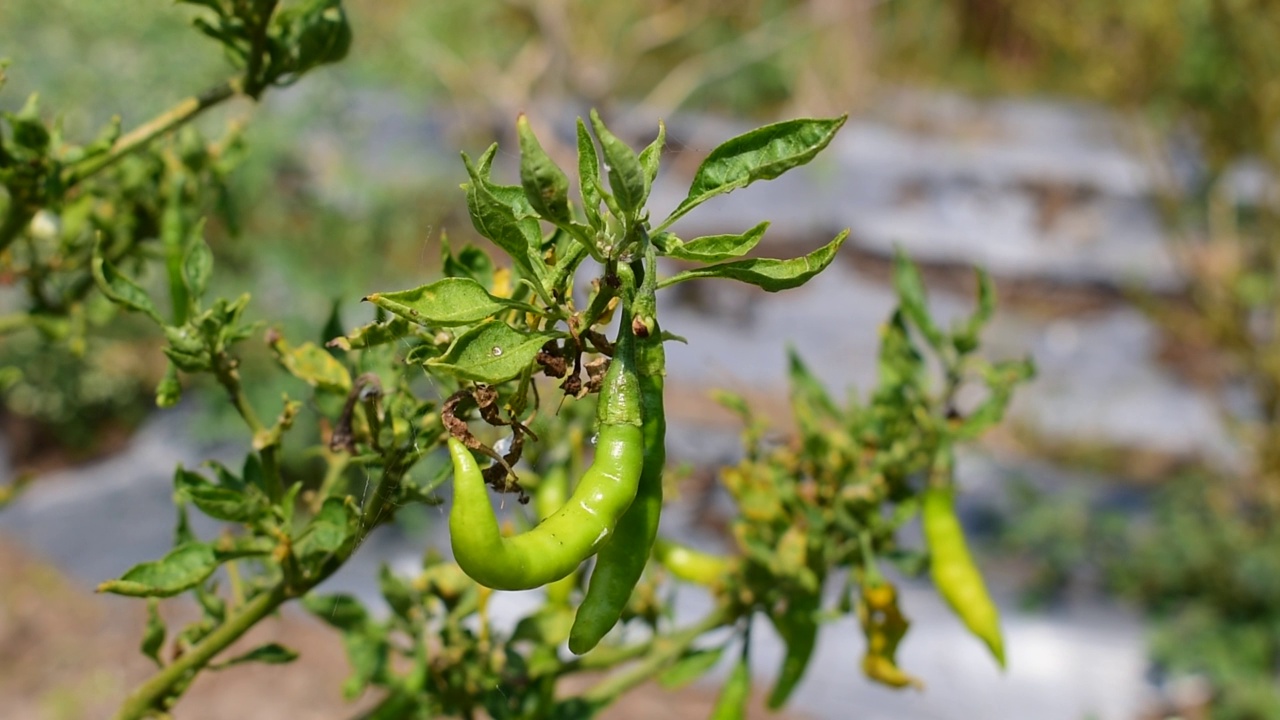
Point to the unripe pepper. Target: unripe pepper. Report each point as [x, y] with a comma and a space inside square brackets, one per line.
[951, 565]
[573, 533]
[692, 566]
[621, 562]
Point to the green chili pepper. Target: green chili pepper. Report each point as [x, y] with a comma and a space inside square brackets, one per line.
[691, 565]
[549, 497]
[621, 562]
[732, 703]
[560, 543]
[952, 568]
[798, 626]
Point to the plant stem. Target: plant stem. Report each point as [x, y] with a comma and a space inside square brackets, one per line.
[567, 265]
[254, 84]
[148, 696]
[225, 371]
[142, 135]
[335, 464]
[665, 651]
[271, 471]
[382, 492]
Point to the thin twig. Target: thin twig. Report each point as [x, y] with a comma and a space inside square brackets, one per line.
[161, 124]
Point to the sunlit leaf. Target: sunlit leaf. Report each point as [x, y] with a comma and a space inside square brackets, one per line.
[692, 666]
[491, 353]
[761, 154]
[766, 273]
[545, 184]
[315, 366]
[443, 303]
[710, 248]
[626, 176]
[269, 654]
[120, 289]
[182, 569]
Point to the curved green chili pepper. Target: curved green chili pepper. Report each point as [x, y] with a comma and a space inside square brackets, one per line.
[551, 495]
[621, 562]
[952, 568]
[798, 627]
[560, 543]
[691, 565]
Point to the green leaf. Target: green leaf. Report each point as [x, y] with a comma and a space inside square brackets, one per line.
[545, 184]
[444, 303]
[549, 626]
[470, 262]
[899, 363]
[197, 265]
[182, 569]
[226, 477]
[491, 353]
[420, 354]
[519, 236]
[27, 130]
[270, 654]
[367, 651]
[798, 627]
[761, 154]
[120, 289]
[182, 532]
[231, 547]
[330, 531]
[692, 666]
[732, 703]
[767, 273]
[187, 348]
[153, 635]
[910, 288]
[215, 608]
[101, 144]
[1002, 379]
[808, 396]
[372, 335]
[626, 176]
[734, 403]
[343, 612]
[252, 471]
[965, 337]
[651, 156]
[242, 505]
[315, 366]
[399, 594]
[169, 389]
[711, 248]
[589, 177]
[317, 33]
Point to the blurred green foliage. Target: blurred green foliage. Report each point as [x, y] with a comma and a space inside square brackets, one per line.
[1209, 69]
[1203, 76]
[1209, 571]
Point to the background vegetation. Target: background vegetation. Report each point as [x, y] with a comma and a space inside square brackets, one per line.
[1190, 74]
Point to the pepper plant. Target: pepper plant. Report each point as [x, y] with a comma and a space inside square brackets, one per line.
[134, 199]
[502, 360]
[829, 505]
